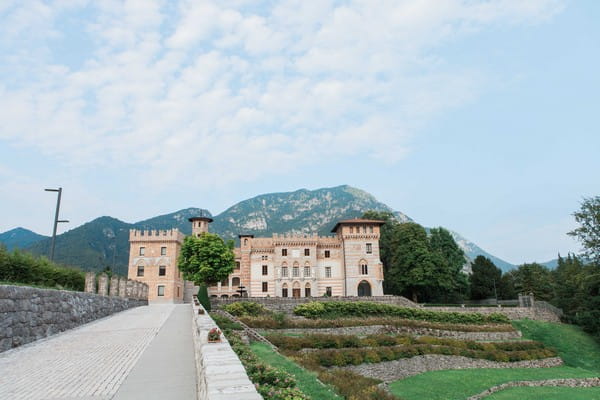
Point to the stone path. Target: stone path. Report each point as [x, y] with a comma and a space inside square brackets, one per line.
[98, 360]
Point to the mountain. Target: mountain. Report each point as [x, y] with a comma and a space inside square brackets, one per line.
[472, 251]
[19, 238]
[103, 242]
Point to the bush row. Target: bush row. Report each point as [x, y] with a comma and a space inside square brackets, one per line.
[24, 268]
[321, 341]
[270, 322]
[225, 323]
[335, 309]
[271, 383]
[245, 308]
[354, 386]
[342, 357]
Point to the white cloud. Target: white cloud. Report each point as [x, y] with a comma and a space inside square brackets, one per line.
[223, 89]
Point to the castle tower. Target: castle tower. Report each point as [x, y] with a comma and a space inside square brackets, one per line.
[200, 225]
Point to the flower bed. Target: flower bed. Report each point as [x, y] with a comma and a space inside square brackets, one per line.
[338, 309]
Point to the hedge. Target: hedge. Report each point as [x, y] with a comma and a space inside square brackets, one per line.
[321, 341]
[24, 268]
[335, 309]
[272, 322]
[245, 308]
[356, 356]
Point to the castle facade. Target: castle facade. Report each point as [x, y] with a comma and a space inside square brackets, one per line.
[344, 264]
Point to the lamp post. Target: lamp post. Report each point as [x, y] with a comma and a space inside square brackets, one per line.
[56, 220]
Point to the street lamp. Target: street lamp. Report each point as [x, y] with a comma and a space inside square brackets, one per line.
[56, 220]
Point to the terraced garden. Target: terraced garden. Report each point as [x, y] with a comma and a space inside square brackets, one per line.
[374, 351]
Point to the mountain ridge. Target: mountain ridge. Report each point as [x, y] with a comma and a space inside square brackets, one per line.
[103, 242]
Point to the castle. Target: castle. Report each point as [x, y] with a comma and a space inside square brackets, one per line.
[345, 264]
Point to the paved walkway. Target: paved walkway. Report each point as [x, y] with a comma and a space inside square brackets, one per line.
[142, 353]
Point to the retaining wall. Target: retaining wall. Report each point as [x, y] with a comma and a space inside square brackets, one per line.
[28, 314]
[221, 374]
[536, 313]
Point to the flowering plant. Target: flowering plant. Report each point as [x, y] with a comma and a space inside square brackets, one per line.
[214, 335]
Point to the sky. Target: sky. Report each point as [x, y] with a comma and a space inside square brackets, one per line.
[479, 116]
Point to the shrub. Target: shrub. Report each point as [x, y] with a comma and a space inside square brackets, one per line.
[225, 323]
[245, 308]
[354, 386]
[334, 309]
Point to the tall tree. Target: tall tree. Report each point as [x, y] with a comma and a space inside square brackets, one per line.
[206, 260]
[449, 260]
[485, 279]
[588, 233]
[534, 278]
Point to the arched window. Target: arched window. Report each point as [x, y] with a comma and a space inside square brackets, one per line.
[296, 270]
[307, 290]
[284, 270]
[364, 269]
[235, 282]
[140, 270]
[284, 290]
[306, 270]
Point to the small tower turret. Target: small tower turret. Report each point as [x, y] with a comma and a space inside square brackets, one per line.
[199, 225]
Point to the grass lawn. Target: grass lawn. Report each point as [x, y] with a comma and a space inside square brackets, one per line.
[580, 352]
[460, 384]
[574, 346]
[547, 393]
[307, 381]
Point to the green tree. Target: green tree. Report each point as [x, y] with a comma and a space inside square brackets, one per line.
[449, 260]
[588, 233]
[589, 314]
[506, 289]
[206, 260]
[485, 279]
[534, 278]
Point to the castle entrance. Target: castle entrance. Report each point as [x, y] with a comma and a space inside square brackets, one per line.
[296, 290]
[364, 288]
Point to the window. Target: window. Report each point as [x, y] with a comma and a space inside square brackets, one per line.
[369, 248]
[328, 291]
[140, 271]
[364, 269]
[284, 292]
[142, 251]
[327, 254]
[284, 272]
[307, 291]
[162, 270]
[351, 229]
[237, 265]
[283, 252]
[296, 272]
[364, 229]
[306, 252]
[265, 286]
[327, 272]
[177, 291]
[161, 290]
[264, 258]
[306, 271]
[163, 251]
[265, 270]
[235, 282]
[370, 229]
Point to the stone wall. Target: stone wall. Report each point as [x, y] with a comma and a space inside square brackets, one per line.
[568, 382]
[221, 374]
[287, 304]
[388, 371]
[536, 313]
[415, 331]
[28, 314]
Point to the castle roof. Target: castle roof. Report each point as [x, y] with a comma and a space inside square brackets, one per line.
[192, 219]
[357, 221]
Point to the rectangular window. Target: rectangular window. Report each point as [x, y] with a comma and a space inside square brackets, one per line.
[296, 272]
[265, 270]
[327, 272]
[364, 270]
[351, 229]
[327, 254]
[284, 252]
[162, 270]
[284, 272]
[328, 291]
[140, 271]
[163, 251]
[237, 265]
[369, 248]
[370, 229]
[306, 271]
[142, 251]
[161, 290]
[307, 252]
[265, 286]
[284, 292]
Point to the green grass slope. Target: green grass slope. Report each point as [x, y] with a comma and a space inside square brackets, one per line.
[307, 381]
[547, 393]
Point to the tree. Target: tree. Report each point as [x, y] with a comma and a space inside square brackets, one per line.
[534, 278]
[485, 279]
[206, 260]
[449, 260]
[588, 232]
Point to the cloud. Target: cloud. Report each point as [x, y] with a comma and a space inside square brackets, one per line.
[258, 87]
